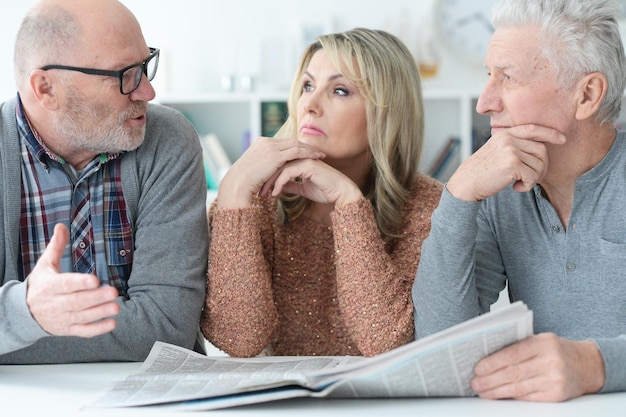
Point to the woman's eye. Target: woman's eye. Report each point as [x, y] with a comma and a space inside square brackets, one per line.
[341, 91]
[307, 87]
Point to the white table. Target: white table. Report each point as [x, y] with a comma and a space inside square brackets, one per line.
[64, 390]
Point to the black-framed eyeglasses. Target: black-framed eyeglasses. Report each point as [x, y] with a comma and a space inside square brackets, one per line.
[130, 76]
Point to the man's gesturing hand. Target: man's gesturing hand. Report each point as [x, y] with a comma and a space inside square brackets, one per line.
[68, 304]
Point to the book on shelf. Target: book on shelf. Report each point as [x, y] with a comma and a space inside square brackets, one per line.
[480, 136]
[439, 365]
[216, 161]
[447, 161]
[273, 115]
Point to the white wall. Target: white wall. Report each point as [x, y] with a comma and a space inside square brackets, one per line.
[202, 40]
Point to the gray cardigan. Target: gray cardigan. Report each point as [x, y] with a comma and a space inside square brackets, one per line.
[165, 191]
[573, 279]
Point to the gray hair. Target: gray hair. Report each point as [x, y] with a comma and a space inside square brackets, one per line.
[46, 35]
[579, 37]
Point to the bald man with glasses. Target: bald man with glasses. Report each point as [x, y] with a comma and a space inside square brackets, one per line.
[104, 196]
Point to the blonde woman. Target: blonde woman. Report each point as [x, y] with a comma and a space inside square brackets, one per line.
[316, 233]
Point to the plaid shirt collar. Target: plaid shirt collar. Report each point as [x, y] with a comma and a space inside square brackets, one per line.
[36, 145]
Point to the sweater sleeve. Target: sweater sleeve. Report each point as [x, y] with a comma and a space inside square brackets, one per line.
[444, 292]
[18, 328]
[614, 355]
[374, 279]
[240, 317]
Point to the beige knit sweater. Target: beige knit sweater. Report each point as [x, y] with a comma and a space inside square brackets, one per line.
[310, 289]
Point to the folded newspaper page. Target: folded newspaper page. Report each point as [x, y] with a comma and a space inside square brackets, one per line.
[440, 365]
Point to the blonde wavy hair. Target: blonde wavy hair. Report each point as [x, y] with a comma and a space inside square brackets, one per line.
[385, 72]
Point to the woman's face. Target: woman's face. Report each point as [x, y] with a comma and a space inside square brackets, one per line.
[331, 114]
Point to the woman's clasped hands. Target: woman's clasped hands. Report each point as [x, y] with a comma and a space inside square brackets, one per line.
[274, 166]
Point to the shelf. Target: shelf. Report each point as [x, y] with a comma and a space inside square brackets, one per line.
[233, 117]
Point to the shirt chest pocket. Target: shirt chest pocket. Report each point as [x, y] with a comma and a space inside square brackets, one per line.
[613, 267]
[120, 254]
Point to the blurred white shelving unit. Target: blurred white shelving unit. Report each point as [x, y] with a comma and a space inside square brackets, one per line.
[233, 117]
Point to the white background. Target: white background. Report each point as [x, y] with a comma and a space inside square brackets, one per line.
[203, 40]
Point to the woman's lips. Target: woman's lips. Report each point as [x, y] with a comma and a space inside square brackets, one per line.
[310, 129]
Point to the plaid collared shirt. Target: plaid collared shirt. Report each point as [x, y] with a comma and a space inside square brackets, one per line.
[48, 188]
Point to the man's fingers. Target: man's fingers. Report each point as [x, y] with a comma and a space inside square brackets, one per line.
[92, 329]
[538, 133]
[68, 304]
[74, 281]
[517, 390]
[85, 299]
[514, 354]
[94, 314]
[543, 367]
[54, 251]
[60, 312]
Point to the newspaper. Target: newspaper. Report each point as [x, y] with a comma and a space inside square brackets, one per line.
[440, 365]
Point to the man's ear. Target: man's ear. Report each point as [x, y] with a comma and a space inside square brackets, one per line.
[590, 92]
[44, 85]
